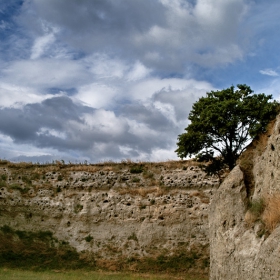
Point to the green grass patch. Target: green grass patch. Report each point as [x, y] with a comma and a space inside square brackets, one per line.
[18, 274]
[38, 250]
[136, 169]
[257, 206]
[23, 190]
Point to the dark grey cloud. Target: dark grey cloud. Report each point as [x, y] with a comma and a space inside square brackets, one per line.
[97, 24]
[149, 115]
[24, 124]
[60, 124]
[164, 35]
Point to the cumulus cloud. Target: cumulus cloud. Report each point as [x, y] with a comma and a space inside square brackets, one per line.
[134, 130]
[143, 30]
[106, 79]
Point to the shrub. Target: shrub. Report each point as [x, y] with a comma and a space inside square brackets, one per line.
[78, 208]
[59, 178]
[88, 238]
[256, 207]
[136, 169]
[133, 237]
[148, 175]
[135, 180]
[2, 184]
[26, 180]
[19, 188]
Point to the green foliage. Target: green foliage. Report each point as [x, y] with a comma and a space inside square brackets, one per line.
[133, 236]
[152, 202]
[78, 208]
[257, 206]
[4, 177]
[19, 188]
[135, 180]
[26, 180]
[136, 169]
[59, 178]
[148, 175]
[86, 274]
[3, 184]
[174, 263]
[88, 238]
[38, 250]
[225, 122]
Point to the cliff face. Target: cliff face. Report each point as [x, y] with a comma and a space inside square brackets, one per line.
[114, 212]
[245, 212]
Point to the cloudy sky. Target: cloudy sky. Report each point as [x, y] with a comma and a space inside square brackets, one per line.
[102, 80]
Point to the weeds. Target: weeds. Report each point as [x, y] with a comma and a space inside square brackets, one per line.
[78, 208]
[135, 180]
[133, 237]
[266, 210]
[136, 169]
[23, 190]
[88, 238]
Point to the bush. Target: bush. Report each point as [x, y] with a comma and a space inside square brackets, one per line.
[135, 180]
[88, 238]
[19, 188]
[256, 207]
[136, 169]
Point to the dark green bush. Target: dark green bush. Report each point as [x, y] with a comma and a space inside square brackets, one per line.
[136, 169]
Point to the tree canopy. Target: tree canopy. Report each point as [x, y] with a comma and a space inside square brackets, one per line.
[224, 122]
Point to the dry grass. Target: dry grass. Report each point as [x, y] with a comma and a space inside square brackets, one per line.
[201, 195]
[266, 210]
[271, 214]
[105, 166]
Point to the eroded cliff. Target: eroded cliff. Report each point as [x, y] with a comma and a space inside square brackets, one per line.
[245, 213]
[116, 214]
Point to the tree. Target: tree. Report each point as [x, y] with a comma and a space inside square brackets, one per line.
[224, 122]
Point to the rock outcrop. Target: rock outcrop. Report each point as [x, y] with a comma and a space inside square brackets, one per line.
[244, 236]
[115, 212]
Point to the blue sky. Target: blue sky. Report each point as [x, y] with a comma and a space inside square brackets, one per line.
[115, 79]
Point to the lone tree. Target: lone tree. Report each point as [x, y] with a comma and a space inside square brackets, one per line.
[224, 122]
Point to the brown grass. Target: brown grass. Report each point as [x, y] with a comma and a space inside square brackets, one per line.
[266, 210]
[271, 214]
[201, 195]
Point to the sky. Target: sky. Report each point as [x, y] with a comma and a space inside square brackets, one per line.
[112, 80]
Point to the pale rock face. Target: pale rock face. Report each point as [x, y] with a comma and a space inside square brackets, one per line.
[115, 214]
[237, 250]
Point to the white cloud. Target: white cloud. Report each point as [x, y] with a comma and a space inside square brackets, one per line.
[138, 72]
[106, 122]
[17, 96]
[97, 95]
[127, 74]
[104, 67]
[147, 88]
[269, 72]
[41, 44]
[45, 73]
